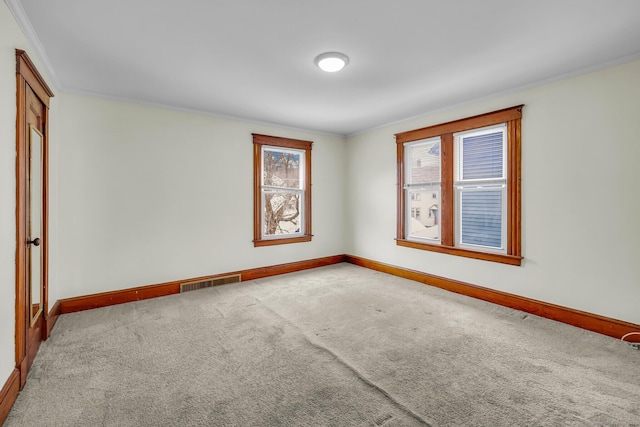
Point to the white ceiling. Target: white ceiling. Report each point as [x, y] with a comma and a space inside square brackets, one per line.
[253, 59]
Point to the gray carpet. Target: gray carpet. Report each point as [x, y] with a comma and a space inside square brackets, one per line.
[335, 346]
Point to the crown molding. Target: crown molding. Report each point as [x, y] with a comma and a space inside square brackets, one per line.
[22, 19]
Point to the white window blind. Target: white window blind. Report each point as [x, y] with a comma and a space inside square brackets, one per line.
[481, 188]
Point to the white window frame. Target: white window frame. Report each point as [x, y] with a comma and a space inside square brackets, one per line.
[503, 219]
[462, 185]
[264, 189]
[411, 188]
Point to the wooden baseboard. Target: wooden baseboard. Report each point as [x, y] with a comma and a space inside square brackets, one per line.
[9, 394]
[274, 270]
[51, 319]
[70, 305]
[592, 322]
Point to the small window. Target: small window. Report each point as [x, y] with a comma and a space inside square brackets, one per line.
[471, 169]
[282, 190]
[415, 213]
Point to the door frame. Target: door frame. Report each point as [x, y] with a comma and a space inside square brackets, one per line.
[28, 76]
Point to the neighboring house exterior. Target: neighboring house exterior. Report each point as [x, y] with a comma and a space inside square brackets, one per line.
[424, 203]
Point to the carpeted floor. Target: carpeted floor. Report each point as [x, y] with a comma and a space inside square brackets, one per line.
[334, 346]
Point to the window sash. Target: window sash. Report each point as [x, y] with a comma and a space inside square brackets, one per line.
[427, 227]
[459, 138]
[273, 190]
[301, 166]
[472, 234]
[299, 220]
[410, 171]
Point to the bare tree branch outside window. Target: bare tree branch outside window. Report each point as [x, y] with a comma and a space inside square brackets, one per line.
[282, 181]
[282, 190]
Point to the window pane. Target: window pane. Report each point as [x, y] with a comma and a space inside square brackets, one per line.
[424, 162]
[282, 168]
[481, 218]
[482, 156]
[424, 219]
[282, 213]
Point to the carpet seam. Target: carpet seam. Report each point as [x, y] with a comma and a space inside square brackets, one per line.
[368, 382]
[351, 368]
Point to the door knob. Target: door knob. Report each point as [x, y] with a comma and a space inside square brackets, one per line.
[34, 242]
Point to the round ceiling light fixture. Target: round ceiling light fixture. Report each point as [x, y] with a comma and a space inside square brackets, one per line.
[331, 61]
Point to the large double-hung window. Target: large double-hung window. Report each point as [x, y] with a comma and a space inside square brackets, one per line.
[459, 187]
[282, 190]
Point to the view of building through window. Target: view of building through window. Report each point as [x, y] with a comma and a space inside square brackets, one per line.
[459, 187]
[423, 186]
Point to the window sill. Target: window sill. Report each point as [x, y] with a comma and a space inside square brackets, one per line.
[451, 250]
[282, 241]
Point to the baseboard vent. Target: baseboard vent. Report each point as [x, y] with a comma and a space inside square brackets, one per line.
[201, 284]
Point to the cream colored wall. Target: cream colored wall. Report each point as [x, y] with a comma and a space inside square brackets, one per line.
[580, 198]
[9, 38]
[141, 195]
[150, 195]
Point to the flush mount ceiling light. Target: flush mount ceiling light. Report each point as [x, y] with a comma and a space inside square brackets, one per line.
[331, 61]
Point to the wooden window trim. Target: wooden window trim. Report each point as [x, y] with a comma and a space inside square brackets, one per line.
[275, 141]
[512, 117]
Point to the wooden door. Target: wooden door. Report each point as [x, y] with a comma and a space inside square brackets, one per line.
[31, 214]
